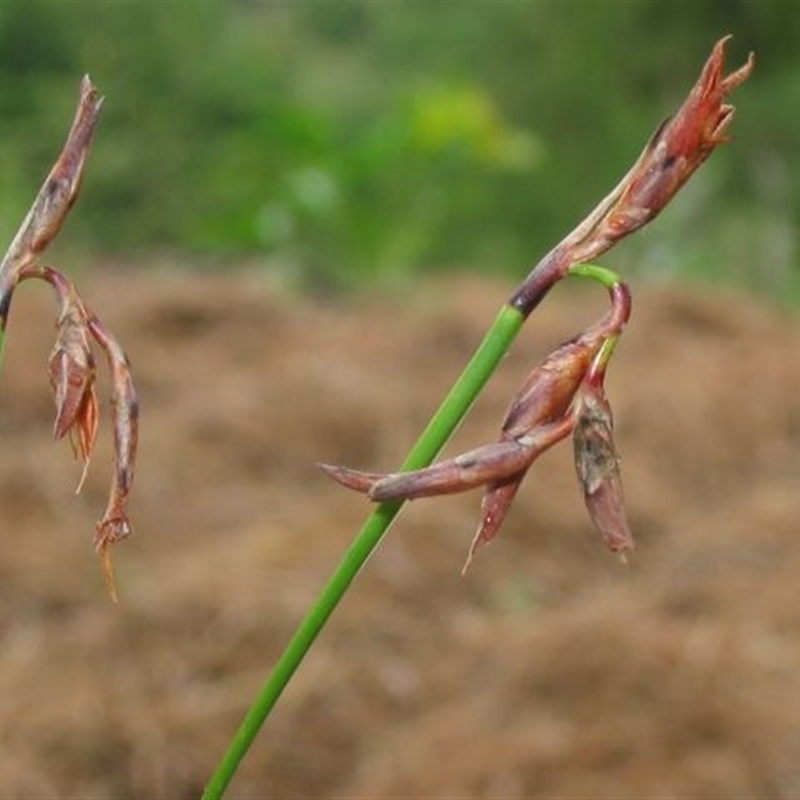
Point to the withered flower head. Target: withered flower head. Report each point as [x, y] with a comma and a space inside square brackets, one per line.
[71, 367]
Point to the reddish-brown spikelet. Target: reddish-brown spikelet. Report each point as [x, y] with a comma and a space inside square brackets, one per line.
[115, 524]
[353, 479]
[72, 373]
[453, 475]
[72, 378]
[547, 391]
[677, 148]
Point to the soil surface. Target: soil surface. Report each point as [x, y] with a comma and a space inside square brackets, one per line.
[549, 670]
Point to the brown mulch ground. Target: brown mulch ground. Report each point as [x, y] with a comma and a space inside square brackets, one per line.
[550, 670]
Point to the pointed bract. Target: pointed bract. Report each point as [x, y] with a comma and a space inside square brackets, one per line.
[496, 502]
[676, 150]
[459, 474]
[352, 478]
[466, 471]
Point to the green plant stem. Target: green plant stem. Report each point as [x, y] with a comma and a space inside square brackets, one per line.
[602, 275]
[444, 422]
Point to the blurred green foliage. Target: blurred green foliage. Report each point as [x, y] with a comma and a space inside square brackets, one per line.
[347, 140]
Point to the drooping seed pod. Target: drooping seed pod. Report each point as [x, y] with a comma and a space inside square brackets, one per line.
[597, 465]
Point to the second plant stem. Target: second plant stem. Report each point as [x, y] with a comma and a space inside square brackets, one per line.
[444, 422]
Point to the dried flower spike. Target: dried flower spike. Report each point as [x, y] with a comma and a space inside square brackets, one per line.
[71, 365]
[543, 412]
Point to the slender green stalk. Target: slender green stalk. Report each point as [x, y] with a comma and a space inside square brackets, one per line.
[439, 429]
[442, 425]
[602, 275]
